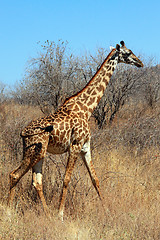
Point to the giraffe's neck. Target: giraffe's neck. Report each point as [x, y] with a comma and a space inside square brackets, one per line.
[89, 97]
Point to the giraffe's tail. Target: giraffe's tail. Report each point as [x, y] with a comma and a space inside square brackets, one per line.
[34, 131]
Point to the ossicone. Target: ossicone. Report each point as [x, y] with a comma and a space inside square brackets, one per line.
[122, 43]
[118, 47]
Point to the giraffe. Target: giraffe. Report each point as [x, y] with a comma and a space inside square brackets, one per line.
[68, 130]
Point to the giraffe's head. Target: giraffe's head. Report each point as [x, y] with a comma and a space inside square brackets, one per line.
[125, 55]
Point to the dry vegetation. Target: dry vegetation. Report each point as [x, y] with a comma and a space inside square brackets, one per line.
[126, 157]
[125, 153]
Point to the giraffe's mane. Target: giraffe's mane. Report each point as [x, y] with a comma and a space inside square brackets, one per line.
[106, 59]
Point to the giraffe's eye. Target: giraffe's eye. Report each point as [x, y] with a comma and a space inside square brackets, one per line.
[129, 53]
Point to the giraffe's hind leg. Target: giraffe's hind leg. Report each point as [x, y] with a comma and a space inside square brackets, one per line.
[33, 153]
[18, 173]
[37, 183]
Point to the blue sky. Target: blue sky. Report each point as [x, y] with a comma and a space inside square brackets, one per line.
[85, 24]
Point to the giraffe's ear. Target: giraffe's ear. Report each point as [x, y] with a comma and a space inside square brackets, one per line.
[118, 47]
[111, 48]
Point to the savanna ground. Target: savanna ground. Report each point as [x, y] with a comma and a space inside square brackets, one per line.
[126, 157]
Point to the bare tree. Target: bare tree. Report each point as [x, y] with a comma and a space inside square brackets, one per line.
[151, 86]
[2, 92]
[49, 78]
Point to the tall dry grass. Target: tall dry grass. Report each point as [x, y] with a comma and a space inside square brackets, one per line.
[127, 161]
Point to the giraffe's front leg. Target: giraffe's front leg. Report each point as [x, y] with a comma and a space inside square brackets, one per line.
[73, 154]
[67, 178]
[86, 156]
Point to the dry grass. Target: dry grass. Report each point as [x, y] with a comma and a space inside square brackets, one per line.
[126, 160]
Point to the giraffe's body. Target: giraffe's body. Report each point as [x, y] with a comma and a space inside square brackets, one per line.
[68, 129]
[62, 128]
